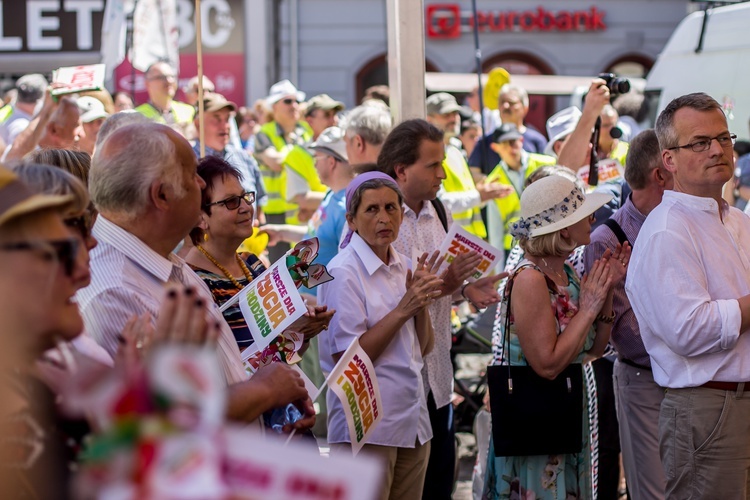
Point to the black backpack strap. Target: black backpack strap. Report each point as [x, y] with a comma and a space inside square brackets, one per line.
[615, 227]
[441, 213]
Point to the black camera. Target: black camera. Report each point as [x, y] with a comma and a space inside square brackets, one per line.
[616, 84]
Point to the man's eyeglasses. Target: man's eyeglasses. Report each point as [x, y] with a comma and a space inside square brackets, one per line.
[289, 102]
[161, 78]
[724, 140]
[64, 251]
[233, 202]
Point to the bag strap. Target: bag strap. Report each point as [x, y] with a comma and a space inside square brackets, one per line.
[617, 230]
[441, 212]
[508, 292]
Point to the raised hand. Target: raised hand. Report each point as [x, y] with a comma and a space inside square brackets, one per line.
[422, 286]
[595, 286]
[483, 292]
[619, 260]
[461, 268]
[313, 322]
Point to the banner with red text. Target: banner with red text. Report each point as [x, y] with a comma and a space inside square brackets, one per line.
[353, 380]
[270, 304]
[74, 79]
[459, 241]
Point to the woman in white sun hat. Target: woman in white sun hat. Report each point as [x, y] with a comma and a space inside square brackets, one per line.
[555, 320]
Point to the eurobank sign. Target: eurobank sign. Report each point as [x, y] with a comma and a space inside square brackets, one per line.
[450, 20]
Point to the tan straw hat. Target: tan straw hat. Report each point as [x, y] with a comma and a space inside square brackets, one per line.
[16, 199]
[553, 203]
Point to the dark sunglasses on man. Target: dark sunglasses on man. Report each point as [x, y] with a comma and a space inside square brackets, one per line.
[64, 251]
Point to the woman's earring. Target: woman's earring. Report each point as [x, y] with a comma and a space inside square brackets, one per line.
[205, 236]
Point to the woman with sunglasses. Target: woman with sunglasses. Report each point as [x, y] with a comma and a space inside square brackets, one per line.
[226, 221]
[40, 276]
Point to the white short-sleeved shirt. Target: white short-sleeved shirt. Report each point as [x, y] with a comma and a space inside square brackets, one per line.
[363, 292]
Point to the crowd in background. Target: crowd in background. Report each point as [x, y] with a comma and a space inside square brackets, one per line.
[121, 230]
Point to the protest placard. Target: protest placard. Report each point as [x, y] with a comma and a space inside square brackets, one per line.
[459, 241]
[354, 382]
[257, 468]
[270, 304]
[74, 79]
[607, 169]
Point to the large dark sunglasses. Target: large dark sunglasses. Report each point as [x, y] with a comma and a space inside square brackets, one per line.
[65, 251]
[233, 202]
[289, 102]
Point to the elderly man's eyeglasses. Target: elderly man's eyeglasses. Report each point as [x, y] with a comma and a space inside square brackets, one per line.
[64, 251]
[724, 140]
[233, 202]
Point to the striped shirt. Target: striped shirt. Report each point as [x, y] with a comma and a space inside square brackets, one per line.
[626, 336]
[128, 278]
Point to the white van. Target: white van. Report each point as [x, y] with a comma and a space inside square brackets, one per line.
[721, 68]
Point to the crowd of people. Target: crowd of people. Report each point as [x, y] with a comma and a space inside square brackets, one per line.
[118, 226]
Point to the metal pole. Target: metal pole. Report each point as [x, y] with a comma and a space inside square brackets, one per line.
[478, 59]
[406, 58]
[199, 65]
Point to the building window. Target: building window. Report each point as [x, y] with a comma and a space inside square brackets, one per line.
[375, 72]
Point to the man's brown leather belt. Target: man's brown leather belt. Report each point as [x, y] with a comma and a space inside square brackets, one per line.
[725, 386]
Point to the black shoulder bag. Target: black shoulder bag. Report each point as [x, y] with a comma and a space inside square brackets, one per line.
[532, 415]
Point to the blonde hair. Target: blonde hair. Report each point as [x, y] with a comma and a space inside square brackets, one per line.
[553, 245]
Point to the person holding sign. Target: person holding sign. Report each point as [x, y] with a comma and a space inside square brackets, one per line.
[382, 304]
[226, 221]
[555, 321]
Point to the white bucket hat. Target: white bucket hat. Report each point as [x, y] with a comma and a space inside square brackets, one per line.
[553, 203]
[331, 142]
[282, 89]
[561, 125]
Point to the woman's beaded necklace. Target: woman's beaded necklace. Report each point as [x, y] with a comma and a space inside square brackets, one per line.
[224, 270]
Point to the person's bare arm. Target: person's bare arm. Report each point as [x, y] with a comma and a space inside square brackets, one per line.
[573, 154]
[272, 158]
[27, 140]
[425, 332]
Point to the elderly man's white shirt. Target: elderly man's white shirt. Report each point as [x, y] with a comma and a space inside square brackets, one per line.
[687, 271]
[128, 278]
[363, 292]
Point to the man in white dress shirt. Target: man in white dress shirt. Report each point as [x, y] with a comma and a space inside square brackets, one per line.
[689, 285]
[144, 183]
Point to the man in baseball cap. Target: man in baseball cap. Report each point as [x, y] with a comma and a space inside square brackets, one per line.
[217, 113]
[93, 115]
[321, 112]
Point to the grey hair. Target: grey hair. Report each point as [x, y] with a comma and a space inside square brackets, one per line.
[121, 177]
[512, 87]
[356, 200]
[369, 122]
[117, 120]
[664, 128]
[52, 180]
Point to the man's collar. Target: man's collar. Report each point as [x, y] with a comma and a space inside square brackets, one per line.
[697, 202]
[135, 249]
[427, 210]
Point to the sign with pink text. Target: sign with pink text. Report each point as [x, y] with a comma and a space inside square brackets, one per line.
[270, 304]
[459, 241]
[354, 383]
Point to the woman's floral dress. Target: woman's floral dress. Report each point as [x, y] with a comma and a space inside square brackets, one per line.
[545, 477]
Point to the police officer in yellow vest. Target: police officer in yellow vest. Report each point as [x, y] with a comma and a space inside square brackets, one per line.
[161, 85]
[459, 193]
[514, 168]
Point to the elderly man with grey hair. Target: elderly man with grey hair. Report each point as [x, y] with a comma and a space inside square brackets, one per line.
[144, 183]
[365, 129]
[30, 91]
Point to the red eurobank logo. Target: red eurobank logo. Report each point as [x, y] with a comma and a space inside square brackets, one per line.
[449, 21]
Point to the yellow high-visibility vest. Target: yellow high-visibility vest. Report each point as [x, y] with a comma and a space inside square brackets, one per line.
[509, 207]
[275, 182]
[5, 113]
[301, 162]
[181, 112]
[458, 179]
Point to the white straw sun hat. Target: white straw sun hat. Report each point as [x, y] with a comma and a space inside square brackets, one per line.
[553, 203]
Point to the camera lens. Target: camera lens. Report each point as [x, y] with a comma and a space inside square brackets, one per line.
[620, 85]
